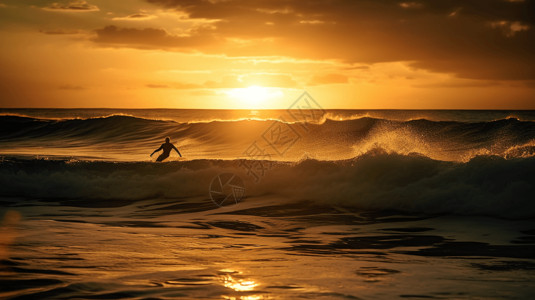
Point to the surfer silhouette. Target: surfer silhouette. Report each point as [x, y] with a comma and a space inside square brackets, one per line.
[166, 147]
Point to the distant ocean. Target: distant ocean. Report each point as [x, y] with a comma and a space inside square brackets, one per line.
[267, 204]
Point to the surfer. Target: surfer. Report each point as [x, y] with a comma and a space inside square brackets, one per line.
[166, 147]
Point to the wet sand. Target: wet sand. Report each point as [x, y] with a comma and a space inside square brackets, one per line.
[257, 249]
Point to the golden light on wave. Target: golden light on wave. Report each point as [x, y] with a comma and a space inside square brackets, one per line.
[254, 96]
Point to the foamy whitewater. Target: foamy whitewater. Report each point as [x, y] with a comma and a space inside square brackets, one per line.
[335, 204]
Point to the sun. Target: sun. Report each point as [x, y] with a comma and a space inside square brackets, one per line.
[254, 96]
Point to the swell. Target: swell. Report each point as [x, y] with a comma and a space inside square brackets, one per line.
[328, 140]
[120, 125]
[485, 185]
[102, 128]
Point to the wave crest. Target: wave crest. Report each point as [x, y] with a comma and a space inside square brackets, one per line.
[329, 140]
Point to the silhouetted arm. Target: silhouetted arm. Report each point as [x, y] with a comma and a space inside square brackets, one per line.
[177, 151]
[156, 150]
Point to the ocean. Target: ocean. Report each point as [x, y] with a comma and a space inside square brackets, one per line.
[267, 204]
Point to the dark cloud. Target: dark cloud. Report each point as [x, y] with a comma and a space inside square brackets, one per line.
[483, 39]
[75, 6]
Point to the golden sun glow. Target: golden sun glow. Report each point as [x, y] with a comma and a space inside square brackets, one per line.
[254, 96]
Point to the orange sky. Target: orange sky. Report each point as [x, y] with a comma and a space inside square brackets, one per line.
[355, 54]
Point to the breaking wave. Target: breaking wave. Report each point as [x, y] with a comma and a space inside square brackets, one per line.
[484, 185]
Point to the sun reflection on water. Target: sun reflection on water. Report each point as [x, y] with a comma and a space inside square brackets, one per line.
[231, 279]
[254, 297]
[239, 285]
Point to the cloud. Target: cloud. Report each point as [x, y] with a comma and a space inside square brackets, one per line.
[157, 86]
[331, 78]
[60, 32]
[233, 81]
[73, 6]
[267, 80]
[411, 5]
[477, 39]
[135, 17]
[510, 29]
[204, 93]
[71, 87]
[458, 83]
[147, 38]
[175, 85]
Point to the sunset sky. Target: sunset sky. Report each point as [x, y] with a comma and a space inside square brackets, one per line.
[361, 54]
